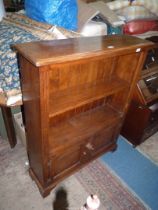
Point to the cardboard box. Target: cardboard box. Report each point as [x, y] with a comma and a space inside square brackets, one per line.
[87, 12]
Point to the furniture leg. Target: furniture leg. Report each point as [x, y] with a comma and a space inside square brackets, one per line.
[8, 121]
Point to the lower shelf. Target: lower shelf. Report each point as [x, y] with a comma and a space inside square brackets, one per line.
[77, 129]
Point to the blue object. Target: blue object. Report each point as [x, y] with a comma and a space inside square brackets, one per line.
[63, 13]
[138, 172]
[114, 30]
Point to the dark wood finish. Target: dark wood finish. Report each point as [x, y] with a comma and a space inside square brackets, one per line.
[142, 118]
[9, 125]
[141, 122]
[88, 1]
[13, 6]
[8, 121]
[75, 95]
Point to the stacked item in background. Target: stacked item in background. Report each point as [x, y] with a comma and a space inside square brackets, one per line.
[141, 16]
[86, 25]
[96, 18]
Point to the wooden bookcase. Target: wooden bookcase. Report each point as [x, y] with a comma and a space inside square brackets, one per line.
[142, 117]
[75, 95]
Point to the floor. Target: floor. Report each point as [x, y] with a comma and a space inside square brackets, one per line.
[137, 171]
[150, 148]
[18, 191]
[135, 177]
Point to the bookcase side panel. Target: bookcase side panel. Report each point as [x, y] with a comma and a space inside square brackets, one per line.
[30, 81]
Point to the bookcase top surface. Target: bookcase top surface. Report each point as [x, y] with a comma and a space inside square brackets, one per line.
[42, 53]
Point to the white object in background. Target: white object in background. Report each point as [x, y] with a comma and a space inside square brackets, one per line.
[93, 28]
[26, 163]
[56, 32]
[13, 99]
[2, 10]
[93, 203]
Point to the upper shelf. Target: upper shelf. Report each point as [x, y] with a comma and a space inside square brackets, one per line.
[42, 53]
[71, 98]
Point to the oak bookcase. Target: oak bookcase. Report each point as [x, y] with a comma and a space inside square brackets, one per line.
[75, 94]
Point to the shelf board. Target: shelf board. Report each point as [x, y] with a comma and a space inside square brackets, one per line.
[80, 127]
[149, 72]
[72, 98]
[151, 97]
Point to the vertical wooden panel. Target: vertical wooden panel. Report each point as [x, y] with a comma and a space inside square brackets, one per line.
[36, 116]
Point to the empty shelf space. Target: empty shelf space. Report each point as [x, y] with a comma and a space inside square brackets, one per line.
[149, 72]
[71, 98]
[82, 126]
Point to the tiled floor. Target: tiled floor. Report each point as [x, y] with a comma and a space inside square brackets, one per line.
[150, 148]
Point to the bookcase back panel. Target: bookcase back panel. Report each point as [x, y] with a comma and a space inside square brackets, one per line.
[126, 66]
[73, 75]
[76, 110]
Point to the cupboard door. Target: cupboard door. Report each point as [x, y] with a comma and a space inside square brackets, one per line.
[70, 158]
[65, 161]
[98, 143]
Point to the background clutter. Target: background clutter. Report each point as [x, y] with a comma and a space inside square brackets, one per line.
[61, 13]
[140, 16]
